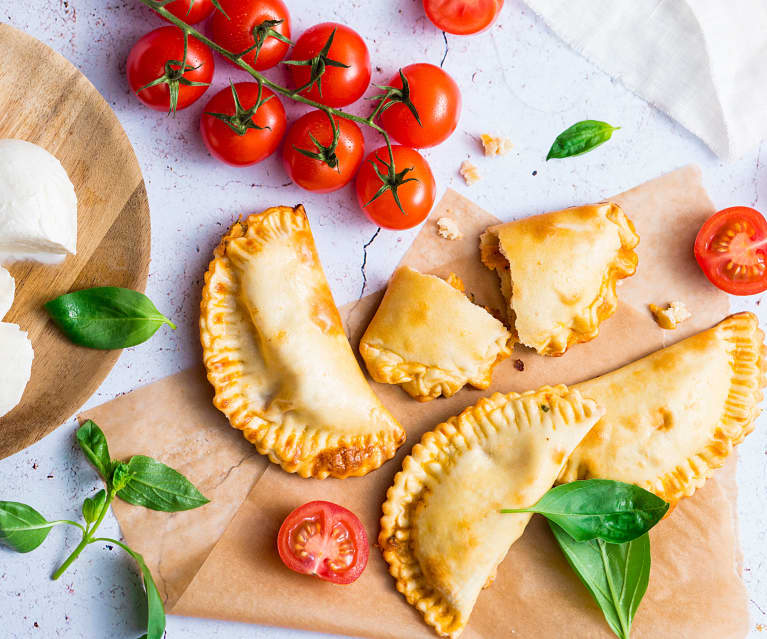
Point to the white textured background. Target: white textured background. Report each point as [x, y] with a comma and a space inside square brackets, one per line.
[518, 80]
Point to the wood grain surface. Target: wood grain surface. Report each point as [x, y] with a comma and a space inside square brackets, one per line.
[44, 99]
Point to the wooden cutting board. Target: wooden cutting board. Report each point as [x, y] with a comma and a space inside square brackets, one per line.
[44, 99]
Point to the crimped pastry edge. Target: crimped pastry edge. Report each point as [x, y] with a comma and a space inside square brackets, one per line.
[585, 326]
[402, 496]
[324, 453]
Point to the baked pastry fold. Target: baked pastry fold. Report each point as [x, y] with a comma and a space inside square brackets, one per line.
[278, 358]
[673, 417]
[430, 339]
[558, 272]
[441, 531]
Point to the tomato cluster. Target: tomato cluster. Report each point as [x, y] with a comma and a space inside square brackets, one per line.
[329, 65]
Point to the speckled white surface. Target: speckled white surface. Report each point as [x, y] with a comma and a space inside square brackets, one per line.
[518, 80]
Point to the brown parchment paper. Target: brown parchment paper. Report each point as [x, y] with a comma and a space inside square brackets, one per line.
[220, 561]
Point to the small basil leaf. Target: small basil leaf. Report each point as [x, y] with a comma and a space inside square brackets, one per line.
[581, 138]
[94, 444]
[106, 317]
[155, 624]
[616, 575]
[92, 506]
[120, 476]
[157, 486]
[613, 511]
[22, 528]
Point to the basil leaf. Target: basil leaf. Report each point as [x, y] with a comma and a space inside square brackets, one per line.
[155, 624]
[581, 138]
[94, 444]
[92, 506]
[616, 575]
[22, 528]
[106, 317]
[157, 486]
[600, 508]
[120, 476]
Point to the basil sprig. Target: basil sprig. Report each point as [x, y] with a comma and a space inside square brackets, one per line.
[580, 138]
[616, 575]
[106, 317]
[142, 481]
[600, 508]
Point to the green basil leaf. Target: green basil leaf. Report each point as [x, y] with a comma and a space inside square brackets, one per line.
[155, 624]
[600, 509]
[94, 444]
[106, 317]
[22, 528]
[157, 486]
[581, 138]
[92, 506]
[616, 575]
[120, 476]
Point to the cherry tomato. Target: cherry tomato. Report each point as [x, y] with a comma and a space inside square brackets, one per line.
[338, 86]
[437, 99]
[191, 11]
[326, 540]
[416, 197]
[149, 59]
[235, 32]
[311, 173]
[462, 17]
[731, 249]
[253, 145]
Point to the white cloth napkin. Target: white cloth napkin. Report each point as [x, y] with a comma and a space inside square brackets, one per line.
[704, 62]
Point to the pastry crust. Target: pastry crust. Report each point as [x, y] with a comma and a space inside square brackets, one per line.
[673, 417]
[277, 356]
[430, 339]
[558, 272]
[441, 531]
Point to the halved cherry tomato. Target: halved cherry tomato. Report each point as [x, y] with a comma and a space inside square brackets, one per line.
[338, 86]
[462, 17]
[191, 11]
[225, 142]
[234, 31]
[149, 59]
[326, 540]
[731, 249]
[437, 99]
[313, 174]
[416, 197]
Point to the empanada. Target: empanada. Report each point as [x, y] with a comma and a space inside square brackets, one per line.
[673, 417]
[430, 339]
[441, 531]
[558, 272]
[277, 356]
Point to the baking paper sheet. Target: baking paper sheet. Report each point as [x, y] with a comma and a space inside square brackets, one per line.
[220, 561]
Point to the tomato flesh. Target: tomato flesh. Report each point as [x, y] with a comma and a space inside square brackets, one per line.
[731, 249]
[462, 17]
[325, 540]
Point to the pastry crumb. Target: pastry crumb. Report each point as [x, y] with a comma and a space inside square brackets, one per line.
[494, 145]
[447, 228]
[469, 173]
[672, 316]
[456, 282]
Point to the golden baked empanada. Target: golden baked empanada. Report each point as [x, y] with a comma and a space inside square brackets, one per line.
[558, 272]
[277, 356]
[441, 531]
[673, 417]
[430, 339]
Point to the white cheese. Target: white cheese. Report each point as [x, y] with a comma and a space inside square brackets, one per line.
[7, 290]
[38, 205]
[448, 228]
[16, 356]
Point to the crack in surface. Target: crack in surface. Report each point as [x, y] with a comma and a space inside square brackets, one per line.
[363, 267]
[231, 470]
[447, 48]
[756, 173]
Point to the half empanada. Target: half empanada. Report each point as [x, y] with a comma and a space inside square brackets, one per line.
[430, 339]
[558, 272]
[441, 531]
[277, 356]
[673, 417]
